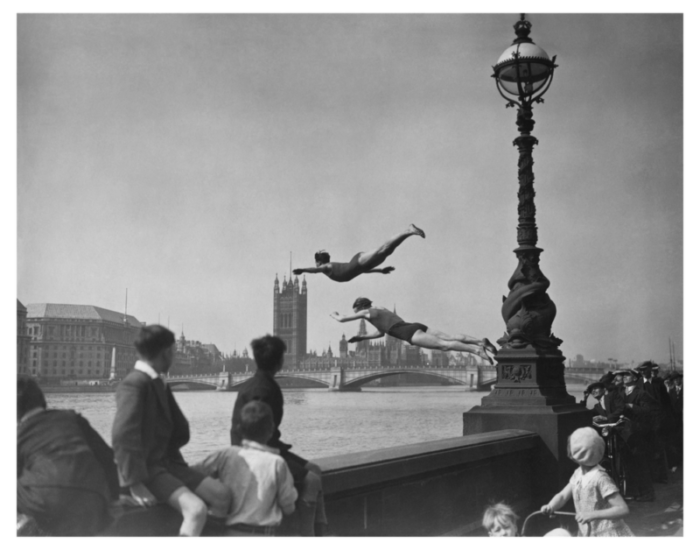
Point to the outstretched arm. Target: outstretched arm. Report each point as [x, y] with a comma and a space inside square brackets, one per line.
[558, 500]
[358, 338]
[384, 270]
[364, 314]
[325, 268]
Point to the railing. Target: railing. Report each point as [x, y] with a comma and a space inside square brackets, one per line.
[426, 489]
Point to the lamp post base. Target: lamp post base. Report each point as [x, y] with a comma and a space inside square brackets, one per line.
[531, 395]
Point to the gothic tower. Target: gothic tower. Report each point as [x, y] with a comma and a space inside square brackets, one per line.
[289, 318]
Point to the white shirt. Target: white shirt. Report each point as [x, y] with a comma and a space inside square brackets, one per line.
[146, 368]
[261, 483]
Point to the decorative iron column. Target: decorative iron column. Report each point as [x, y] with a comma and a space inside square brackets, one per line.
[530, 393]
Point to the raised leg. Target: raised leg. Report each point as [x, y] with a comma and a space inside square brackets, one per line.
[193, 510]
[308, 503]
[373, 258]
[215, 495]
[483, 343]
[432, 340]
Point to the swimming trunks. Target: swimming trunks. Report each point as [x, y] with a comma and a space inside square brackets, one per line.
[344, 272]
[405, 331]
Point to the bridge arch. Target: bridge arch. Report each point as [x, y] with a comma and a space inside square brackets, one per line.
[365, 378]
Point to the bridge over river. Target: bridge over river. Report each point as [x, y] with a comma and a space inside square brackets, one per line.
[347, 378]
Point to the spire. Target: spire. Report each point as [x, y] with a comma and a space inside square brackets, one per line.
[303, 285]
[126, 300]
[277, 284]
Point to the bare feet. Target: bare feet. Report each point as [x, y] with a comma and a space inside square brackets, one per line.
[486, 356]
[489, 346]
[387, 270]
[417, 231]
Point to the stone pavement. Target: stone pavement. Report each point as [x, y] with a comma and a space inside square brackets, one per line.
[664, 516]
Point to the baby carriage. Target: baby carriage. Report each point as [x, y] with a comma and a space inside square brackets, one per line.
[559, 524]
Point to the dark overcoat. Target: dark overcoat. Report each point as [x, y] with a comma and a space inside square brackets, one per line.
[65, 473]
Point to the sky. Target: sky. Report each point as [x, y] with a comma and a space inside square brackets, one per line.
[184, 157]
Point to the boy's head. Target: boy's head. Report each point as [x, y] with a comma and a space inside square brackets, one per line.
[500, 521]
[29, 395]
[154, 343]
[268, 352]
[585, 447]
[256, 422]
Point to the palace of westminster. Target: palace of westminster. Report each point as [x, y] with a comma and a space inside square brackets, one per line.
[68, 341]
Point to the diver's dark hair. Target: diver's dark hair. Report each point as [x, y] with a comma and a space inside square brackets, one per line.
[362, 303]
[322, 256]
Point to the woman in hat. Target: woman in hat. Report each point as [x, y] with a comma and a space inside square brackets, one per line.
[598, 502]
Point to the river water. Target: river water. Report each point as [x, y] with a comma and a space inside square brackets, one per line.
[317, 422]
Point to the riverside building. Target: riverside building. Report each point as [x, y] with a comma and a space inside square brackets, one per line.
[70, 341]
[22, 339]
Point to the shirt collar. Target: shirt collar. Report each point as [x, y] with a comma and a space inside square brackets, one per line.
[146, 369]
[259, 446]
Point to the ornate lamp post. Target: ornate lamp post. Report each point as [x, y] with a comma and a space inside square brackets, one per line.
[530, 392]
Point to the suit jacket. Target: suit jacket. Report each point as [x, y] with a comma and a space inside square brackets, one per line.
[676, 397]
[66, 476]
[662, 413]
[149, 428]
[639, 409]
[264, 387]
[611, 406]
[59, 448]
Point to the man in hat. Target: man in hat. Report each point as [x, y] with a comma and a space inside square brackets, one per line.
[637, 434]
[618, 378]
[662, 419]
[609, 404]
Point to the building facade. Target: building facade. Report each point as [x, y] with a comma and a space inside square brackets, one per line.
[193, 357]
[289, 318]
[23, 340]
[79, 341]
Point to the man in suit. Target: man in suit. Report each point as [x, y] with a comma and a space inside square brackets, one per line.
[662, 419]
[268, 352]
[609, 403]
[149, 430]
[637, 431]
[676, 396]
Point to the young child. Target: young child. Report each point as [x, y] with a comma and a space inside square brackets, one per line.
[261, 483]
[500, 521]
[268, 352]
[597, 499]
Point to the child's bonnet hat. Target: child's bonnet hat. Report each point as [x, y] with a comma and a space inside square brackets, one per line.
[586, 447]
